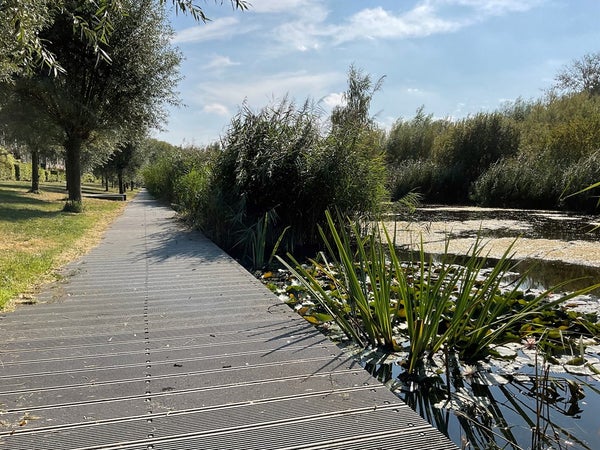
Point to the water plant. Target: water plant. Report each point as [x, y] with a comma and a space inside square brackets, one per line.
[378, 300]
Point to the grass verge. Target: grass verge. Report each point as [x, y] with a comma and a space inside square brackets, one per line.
[37, 236]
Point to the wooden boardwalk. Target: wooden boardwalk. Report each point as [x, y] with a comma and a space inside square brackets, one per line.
[158, 340]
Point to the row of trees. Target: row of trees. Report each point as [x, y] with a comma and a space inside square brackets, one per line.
[89, 78]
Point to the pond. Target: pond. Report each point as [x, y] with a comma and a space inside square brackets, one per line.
[521, 397]
[551, 248]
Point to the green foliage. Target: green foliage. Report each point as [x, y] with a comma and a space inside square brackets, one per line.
[558, 155]
[519, 182]
[581, 179]
[468, 147]
[266, 165]
[415, 176]
[362, 284]
[22, 49]
[412, 139]
[97, 100]
[7, 165]
[562, 129]
[352, 169]
[531, 154]
[24, 171]
[275, 174]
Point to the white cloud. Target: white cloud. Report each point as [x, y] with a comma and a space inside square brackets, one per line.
[220, 62]
[217, 29]
[312, 28]
[379, 23]
[494, 7]
[334, 99]
[217, 108]
[277, 6]
[305, 26]
[262, 89]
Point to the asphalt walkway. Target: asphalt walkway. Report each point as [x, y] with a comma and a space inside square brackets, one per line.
[158, 340]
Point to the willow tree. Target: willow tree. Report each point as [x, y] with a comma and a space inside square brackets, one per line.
[23, 48]
[94, 98]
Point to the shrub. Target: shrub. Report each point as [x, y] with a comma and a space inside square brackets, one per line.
[519, 183]
[7, 165]
[23, 171]
[412, 176]
[413, 140]
[265, 167]
[467, 148]
[578, 177]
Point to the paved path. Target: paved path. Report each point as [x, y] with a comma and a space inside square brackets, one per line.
[158, 340]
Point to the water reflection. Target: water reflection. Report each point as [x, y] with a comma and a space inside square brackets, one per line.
[539, 224]
[528, 224]
[529, 409]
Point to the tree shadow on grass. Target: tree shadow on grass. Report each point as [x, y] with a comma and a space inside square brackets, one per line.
[16, 207]
[21, 214]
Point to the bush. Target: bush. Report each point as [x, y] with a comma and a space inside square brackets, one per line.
[7, 165]
[519, 183]
[275, 175]
[23, 171]
[579, 176]
[191, 190]
[413, 140]
[266, 168]
[413, 176]
[467, 148]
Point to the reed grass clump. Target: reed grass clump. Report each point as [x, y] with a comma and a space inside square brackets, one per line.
[379, 301]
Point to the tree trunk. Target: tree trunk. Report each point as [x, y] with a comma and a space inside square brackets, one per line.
[120, 176]
[106, 181]
[73, 160]
[35, 171]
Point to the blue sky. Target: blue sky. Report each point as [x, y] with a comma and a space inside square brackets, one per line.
[455, 57]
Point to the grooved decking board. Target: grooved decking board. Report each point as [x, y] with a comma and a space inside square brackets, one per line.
[159, 340]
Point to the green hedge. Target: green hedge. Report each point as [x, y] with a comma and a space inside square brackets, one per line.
[7, 165]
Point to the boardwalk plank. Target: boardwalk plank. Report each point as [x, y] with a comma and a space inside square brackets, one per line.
[159, 340]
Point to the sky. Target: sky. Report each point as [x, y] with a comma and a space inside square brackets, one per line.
[453, 57]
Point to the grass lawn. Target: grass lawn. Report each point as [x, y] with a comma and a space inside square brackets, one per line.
[37, 237]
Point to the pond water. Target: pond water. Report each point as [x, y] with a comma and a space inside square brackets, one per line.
[551, 247]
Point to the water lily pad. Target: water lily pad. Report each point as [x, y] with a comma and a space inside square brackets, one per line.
[489, 379]
[506, 351]
[578, 370]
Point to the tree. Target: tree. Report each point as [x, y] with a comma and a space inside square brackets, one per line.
[22, 48]
[581, 75]
[127, 159]
[98, 99]
[15, 123]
